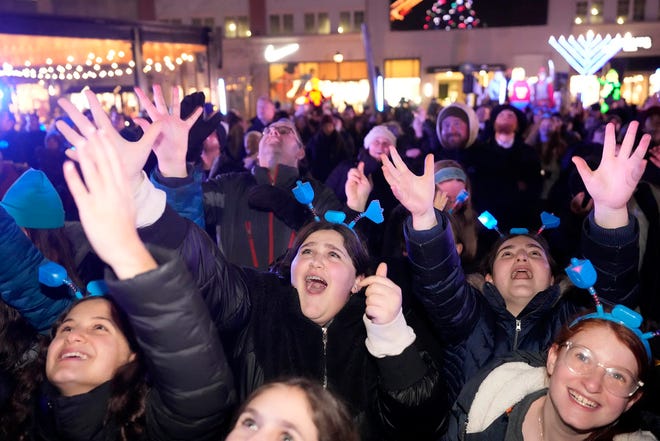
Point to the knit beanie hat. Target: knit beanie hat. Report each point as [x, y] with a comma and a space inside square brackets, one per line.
[465, 113]
[33, 202]
[520, 116]
[379, 131]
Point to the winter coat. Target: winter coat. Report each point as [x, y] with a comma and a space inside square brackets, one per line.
[475, 326]
[494, 403]
[19, 278]
[191, 393]
[255, 217]
[506, 182]
[395, 397]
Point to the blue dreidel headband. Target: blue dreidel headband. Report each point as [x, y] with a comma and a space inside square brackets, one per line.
[54, 275]
[304, 193]
[460, 198]
[583, 275]
[548, 221]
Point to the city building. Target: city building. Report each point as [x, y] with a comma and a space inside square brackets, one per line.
[449, 50]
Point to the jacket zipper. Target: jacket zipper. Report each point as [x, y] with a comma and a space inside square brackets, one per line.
[518, 329]
[324, 330]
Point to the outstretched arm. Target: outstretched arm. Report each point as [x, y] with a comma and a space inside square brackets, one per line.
[416, 193]
[106, 208]
[612, 184]
[192, 384]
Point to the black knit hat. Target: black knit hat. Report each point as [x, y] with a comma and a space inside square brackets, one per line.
[520, 116]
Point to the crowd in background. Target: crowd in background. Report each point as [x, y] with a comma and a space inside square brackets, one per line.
[420, 316]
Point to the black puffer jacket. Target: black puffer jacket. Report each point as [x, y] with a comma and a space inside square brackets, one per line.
[191, 395]
[255, 214]
[475, 325]
[266, 336]
[396, 397]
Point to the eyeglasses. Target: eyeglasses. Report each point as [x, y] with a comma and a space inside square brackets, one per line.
[617, 380]
[280, 130]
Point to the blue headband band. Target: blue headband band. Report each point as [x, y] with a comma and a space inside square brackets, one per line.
[447, 173]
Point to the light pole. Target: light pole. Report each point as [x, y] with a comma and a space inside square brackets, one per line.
[338, 58]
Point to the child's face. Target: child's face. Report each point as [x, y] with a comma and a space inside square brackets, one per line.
[279, 413]
[87, 349]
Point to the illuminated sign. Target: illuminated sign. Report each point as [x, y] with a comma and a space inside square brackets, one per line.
[272, 55]
[633, 44]
[587, 54]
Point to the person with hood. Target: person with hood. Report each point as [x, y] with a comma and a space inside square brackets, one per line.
[520, 303]
[457, 127]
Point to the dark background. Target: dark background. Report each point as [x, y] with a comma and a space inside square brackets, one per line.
[491, 13]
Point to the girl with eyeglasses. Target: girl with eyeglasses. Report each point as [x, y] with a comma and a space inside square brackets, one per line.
[594, 373]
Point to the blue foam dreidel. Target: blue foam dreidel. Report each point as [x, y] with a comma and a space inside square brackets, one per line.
[460, 198]
[583, 275]
[489, 221]
[548, 220]
[304, 193]
[53, 275]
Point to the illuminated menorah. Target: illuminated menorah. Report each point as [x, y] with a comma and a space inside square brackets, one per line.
[587, 54]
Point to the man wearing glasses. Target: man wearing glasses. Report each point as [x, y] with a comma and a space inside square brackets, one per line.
[254, 212]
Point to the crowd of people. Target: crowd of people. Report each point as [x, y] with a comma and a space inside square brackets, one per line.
[202, 276]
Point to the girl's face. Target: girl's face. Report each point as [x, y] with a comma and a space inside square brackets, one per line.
[87, 349]
[324, 276]
[451, 188]
[520, 271]
[584, 403]
[281, 413]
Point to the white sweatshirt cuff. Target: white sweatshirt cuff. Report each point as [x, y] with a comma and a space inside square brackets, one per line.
[149, 203]
[388, 339]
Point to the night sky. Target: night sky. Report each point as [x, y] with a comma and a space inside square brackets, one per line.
[491, 13]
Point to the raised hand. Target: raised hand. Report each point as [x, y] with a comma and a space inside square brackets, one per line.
[612, 184]
[383, 297]
[654, 155]
[133, 154]
[172, 145]
[358, 187]
[416, 193]
[440, 201]
[105, 205]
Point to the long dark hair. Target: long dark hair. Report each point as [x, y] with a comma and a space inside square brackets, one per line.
[128, 387]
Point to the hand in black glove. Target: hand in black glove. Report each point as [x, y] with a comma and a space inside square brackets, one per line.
[281, 202]
[202, 127]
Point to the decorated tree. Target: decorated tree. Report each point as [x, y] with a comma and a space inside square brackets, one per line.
[451, 14]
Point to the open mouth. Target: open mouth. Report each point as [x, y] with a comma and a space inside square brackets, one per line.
[73, 355]
[521, 274]
[315, 284]
[582, 401]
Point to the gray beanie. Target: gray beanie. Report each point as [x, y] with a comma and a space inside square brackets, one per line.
[466, 113]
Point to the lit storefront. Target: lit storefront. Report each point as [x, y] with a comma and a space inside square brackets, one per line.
[110, 57]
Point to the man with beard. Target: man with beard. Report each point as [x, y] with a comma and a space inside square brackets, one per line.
[506, 173]
[457, 128]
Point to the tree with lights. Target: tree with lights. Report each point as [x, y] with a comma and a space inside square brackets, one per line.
[451, 14]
